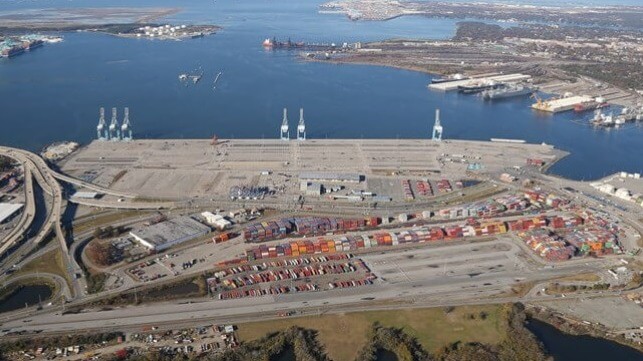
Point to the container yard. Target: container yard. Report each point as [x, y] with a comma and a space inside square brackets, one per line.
[537, 232]
[561, 104]
[561, 232]
[304, 226]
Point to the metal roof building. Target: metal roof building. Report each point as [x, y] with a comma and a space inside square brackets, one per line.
[166, 234]
[7, 210]
[331, 177]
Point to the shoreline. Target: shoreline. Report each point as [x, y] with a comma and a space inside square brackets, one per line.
[563, 323]
[64, 19]
[419, 69]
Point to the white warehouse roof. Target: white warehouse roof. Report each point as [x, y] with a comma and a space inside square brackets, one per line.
[8, 209]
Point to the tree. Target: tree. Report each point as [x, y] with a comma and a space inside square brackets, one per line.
[5, 163]
[99, 253]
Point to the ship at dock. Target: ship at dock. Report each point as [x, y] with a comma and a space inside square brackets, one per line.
[627, 115]
[508, 91]
[15, 45]
[596, 103]
[450, 78]
[477, 87]
[274, 44]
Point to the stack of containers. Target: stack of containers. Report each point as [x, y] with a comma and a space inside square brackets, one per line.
[306, 226]
[547, 246]
[455, 231]
[536, 197]
[531, 228]
[554, 201]
[223, 237]
[493, 228]
[444, 186]
[595, 241]
[469, 231]
[513, 202]
[408, 192]
[424, 188]
[565, 222]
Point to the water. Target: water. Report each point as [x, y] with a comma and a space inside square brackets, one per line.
[54, 93]
[286, 355]
[385, 355]
[28, 294]
[566, 347]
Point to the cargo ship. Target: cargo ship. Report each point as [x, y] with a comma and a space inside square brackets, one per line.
[596, 103]
[453, 77]
[508, 91]
[29, 45]
[12, 51]
[478, 87]
[274, 44]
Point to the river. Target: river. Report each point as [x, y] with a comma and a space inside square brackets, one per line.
[54, 92]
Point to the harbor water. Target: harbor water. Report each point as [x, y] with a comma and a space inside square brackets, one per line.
[54, 93]
[566, 347]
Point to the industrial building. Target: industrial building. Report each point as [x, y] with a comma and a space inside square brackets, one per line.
[216, 220]
[311, 189]
[8, 210]
[166, 234]
[330, 177]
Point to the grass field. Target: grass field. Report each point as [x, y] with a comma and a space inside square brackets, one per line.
[581, 277]
[102, 220]
[343, 335]
[50, 262]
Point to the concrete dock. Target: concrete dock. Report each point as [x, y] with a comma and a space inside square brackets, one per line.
[174, 169]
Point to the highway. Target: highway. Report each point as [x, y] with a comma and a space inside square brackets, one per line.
[48, 183]
[28, 213]
[176, 313]
[414, 282]
[91, 186]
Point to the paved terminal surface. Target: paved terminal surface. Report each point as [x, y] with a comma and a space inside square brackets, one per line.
[196, 168]
[474, 261]
[614, 312]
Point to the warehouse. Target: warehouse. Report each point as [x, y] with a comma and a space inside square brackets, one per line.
[216, 220]
[331, 177]
[8, 210]
[166, 234]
